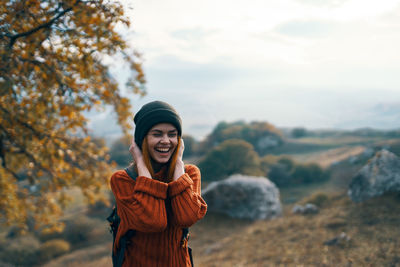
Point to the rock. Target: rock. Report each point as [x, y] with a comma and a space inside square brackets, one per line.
[341, 239]
[298, 209]
[245, 197]
[268, 141]
[380, 175]
[308, 208]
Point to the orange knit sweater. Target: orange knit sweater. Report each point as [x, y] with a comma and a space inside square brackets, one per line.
[157, 211]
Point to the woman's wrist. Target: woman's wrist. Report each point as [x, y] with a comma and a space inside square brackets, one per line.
[179, 169]
[142, 169]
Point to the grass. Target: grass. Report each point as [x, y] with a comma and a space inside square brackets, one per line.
[297, 240]
[291, 240]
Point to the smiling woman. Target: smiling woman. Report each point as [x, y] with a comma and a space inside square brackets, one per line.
[163, 196]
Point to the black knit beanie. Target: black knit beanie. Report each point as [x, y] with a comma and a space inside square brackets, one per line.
[151, 114]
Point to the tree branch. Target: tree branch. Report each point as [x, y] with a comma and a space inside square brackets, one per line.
[14, 38]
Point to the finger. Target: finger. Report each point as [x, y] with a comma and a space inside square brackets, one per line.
[181, 148]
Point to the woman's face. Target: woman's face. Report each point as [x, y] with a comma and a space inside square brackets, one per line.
[162, 140]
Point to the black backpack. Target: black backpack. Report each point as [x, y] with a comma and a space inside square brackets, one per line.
[114, 220]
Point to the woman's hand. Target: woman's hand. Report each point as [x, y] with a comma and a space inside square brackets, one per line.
[138, 158]
[180, 166]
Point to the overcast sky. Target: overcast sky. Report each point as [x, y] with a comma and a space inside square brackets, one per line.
[310, 63]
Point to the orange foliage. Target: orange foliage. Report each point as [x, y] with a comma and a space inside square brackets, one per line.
[51, 72]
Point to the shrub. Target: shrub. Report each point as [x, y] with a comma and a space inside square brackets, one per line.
[305, 174]
[285, 172]
[262, 135]
[231, 157]
[82, 231]
[281, 171]
[21, 251]
[119, 151]
[190, 146]
[99, 209]
[280, 175]
[53, 248]
[299, 132]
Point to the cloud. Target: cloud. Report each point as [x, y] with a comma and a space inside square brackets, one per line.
[191, 34]
[323, 3]
[307, 28]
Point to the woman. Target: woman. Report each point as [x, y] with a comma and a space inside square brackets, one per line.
[164, 198]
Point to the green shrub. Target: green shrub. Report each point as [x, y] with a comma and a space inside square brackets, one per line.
[82, 231]
[281, 171]
[231, 157]
[21, 251]
[280, 175]
[285, 172]
[309, 173]
[262, 135]
[53, 248]
[119, 151]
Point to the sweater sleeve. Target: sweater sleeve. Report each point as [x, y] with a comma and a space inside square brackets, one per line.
[140, 203]
[187, 204]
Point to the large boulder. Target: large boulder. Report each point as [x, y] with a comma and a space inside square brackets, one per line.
[245, 197]
[380, 175]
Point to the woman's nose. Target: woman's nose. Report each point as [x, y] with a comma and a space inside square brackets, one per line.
[165, 138]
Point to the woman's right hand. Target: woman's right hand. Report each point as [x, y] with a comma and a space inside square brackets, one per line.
[138, 158]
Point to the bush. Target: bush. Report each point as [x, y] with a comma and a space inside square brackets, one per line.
[299, 132]
[21, 251]
[53, 248]
[231, 157]
[100, 208]
[310, 173]
[262, 135]
[281, 172]
[119, 151]
[285, 172]
[83, 231]
[280, 175]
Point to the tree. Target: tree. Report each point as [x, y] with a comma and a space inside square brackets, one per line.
[119, 151]
[233, 156]
[190, 146]
[299, 132]
[52, 71]
[262, 135]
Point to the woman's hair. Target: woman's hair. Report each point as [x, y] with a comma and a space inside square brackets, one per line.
[171, 163]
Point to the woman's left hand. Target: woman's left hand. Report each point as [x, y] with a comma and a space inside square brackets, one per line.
[180, 166]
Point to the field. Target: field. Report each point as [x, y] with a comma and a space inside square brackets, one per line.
[370, 229]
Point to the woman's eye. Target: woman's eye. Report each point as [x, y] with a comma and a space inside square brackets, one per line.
[172, 135]
[157, 134]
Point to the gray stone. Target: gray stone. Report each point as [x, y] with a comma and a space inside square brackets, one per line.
[308, 208]
[380, 175]
[245, 197]
[341, 239]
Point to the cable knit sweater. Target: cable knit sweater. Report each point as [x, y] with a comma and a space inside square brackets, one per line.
[157, 211]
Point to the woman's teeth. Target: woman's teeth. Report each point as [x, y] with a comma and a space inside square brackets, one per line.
[162, 150]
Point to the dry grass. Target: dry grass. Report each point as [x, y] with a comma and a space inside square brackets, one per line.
[296, 240]
[326, 158]
[96, 256]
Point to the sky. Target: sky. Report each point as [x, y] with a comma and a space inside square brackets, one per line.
[294, 63]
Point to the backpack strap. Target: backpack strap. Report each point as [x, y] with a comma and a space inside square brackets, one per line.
[130, 170]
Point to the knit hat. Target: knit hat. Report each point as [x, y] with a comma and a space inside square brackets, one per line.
[151, 114]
